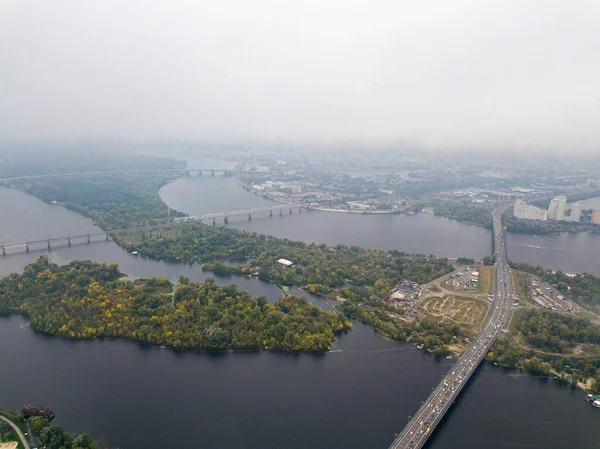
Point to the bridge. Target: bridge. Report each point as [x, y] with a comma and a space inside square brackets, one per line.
[423, 423]
[91, 237]
[226, 215]
[183, 171]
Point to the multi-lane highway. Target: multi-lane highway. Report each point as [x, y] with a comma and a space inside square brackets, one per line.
[423, 423]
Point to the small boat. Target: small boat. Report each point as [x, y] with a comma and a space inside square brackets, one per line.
[135, 253]
[419, 347]
[596, 404]
[589, 397]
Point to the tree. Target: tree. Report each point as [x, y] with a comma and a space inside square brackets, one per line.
[38, 423]
[54, 437]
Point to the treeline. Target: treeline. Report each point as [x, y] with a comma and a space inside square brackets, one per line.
[583, 287]
[549, 339]
[86, 300]
[113, 201]
[520, 226]
[313, 264]
[465, 211]
[52, 437]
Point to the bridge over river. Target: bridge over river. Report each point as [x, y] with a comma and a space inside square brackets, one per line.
[422, 424]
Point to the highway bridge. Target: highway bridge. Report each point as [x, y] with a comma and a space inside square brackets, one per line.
[423, 423]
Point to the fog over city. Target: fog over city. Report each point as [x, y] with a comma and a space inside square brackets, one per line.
[437, 75]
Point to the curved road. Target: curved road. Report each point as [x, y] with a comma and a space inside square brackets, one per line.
[421, 426]
[14, 426]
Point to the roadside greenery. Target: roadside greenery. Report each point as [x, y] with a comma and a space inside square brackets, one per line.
[86, 300]
[583, 288]
[52, 437]
[551, 343]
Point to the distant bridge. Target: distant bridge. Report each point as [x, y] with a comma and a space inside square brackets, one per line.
[226, 215]
[195, 171]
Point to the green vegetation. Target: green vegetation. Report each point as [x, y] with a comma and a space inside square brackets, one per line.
[465, 211]
[86, 299]
[519, 226]
[583, 288]
[546, 342]
[52, 437]
[114, 201]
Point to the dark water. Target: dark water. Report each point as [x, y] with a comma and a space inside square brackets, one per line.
[357, 396]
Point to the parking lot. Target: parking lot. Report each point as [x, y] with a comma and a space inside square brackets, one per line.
[465, 280]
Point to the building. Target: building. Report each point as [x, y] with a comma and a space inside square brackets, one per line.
[528, 212]
[284, 263]
[557, 208]
[387, 197]
[575, 212]
[596, 217]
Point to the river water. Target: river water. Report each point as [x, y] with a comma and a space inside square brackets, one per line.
[357, 396]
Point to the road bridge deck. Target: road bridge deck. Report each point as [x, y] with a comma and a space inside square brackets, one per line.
[423, 423]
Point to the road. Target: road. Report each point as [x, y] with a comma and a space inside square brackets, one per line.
[14, 426]
[423, 423]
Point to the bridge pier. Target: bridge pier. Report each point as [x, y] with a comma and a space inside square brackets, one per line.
[69, 241]
[26, 246]
[88, 236]
[199, 172]
[281, 212]
[107, 236]
[271, 213]
[212, 173]
[3, 250]
[226, 219]
[299, 209]
[48, 244]
[249, 217]
[290, 210]
[214, 222]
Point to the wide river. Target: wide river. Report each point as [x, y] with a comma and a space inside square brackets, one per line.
[357, 396]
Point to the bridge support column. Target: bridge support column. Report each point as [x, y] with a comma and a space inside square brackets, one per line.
[281, 212]
[299, 209]
[214, 222]
[48, 244]
[88, 237]
[290, 211]
[249, 217]
[26, 246]
[107, 236]
[3, 250]
[226, 220]
[199, 172]
[69, 241]
[212, 173]
[271, 213]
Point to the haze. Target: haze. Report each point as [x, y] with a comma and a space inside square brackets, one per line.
[438, 75]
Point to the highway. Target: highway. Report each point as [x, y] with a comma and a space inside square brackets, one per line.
[423, 423]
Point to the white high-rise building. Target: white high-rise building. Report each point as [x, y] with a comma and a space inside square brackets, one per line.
[529, 212]
[556, 210]
[575, 212]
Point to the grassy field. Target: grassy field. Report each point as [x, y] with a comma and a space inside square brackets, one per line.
[486, 281]
[520, 283]
[467, 312]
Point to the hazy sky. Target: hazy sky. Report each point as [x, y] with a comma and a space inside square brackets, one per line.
[433, 74]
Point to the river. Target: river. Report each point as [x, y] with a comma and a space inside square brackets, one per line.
[356, 396]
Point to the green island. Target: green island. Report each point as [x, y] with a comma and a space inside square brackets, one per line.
[51, 437]
[87, 300]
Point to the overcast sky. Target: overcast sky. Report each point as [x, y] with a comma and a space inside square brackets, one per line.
[445, 74]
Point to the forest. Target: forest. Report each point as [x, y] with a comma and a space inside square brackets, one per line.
[87, 300]
[583, 288]
[52, 437]
[543, 343]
